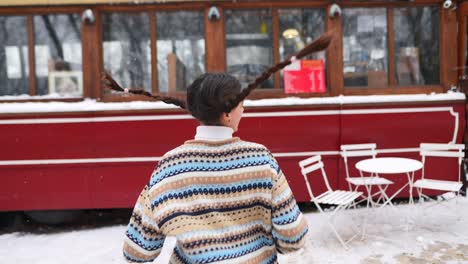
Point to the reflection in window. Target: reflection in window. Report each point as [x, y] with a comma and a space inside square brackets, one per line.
[181, 49]
[58, 49]
[297, 28]
[417, 45]
[126, 49]
[14, 70]
[249, 44]
[365, 57]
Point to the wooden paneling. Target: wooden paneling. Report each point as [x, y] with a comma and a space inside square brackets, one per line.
[462, 14]
[276, 38]
[391, 48]
[215, 43]
[81, 2]
[91, 69]
[448, 50]
[154, 53]
[31, 56]
[215, 40]
[395, 90]
[335, 56]
[462, 34]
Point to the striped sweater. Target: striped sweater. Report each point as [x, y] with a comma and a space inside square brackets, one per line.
[225, 201]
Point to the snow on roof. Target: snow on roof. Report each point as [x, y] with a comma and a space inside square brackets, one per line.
[88, 105]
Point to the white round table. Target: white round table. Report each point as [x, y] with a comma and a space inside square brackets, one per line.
[388, 165]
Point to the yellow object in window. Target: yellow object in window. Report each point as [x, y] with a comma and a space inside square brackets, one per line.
[263, 28]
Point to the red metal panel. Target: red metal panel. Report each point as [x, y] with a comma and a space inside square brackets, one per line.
[112, 185]
[45, 187]
[140, 138]
[289, 134]
[293, 133]
[117, 185]
[398, 130]
[402, 130]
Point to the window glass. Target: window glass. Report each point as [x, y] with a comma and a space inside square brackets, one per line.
[249, 44]
[365, 60]
[180, 49]
[297, 28]
[14, 67]
[126, 49]
[417, 45]
[58, 55]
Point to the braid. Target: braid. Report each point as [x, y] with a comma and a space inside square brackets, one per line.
[108, 82]
[316, 46]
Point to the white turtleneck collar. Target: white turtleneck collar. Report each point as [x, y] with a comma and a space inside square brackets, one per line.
[213, 133]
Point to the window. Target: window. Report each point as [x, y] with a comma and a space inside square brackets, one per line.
[126, 48]
[249, 44]
[180, 49]
[385, 47]
[14, 56]
[365, 58]
[298, 27]
[417, 45]
[57, 48]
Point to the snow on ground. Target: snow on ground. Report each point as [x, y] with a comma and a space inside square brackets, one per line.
[421, 233]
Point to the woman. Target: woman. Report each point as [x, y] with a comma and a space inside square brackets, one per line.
[224, 199]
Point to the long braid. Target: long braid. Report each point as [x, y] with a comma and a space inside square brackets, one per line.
[318, 45]
[108, 82]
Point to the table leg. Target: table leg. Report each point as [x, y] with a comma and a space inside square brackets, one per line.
[410, 183]
[395, 194]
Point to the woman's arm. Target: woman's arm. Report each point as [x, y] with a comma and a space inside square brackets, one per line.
[143, 241]
[289, 225]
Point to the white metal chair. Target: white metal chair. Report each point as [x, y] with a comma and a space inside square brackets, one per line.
[360, 151]
[442, 151]
[340, 199]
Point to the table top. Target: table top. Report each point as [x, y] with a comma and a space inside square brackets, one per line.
[389, 165]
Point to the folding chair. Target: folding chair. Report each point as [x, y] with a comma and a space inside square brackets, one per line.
[365, 150]
[442, 151]
[340, 199]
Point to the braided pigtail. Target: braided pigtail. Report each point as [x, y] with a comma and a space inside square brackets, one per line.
[108, 82]
[316, 46]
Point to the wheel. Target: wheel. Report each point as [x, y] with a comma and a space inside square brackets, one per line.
[10, 220]
[54, 217]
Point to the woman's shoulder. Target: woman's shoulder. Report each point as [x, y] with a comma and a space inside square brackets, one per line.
[197, 146]
[254, 145]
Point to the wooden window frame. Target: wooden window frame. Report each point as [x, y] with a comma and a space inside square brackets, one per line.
[29, 13]
[215, 52]
[151, 11]
[277, 91]
[447, 20]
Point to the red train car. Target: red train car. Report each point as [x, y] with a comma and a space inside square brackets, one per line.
[101, 159]
[391, 75]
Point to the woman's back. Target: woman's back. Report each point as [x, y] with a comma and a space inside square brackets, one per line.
[224, 200]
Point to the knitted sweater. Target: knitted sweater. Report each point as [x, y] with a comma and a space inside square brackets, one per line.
[225, 201]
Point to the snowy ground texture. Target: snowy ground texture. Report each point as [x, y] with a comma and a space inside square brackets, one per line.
[421, 233]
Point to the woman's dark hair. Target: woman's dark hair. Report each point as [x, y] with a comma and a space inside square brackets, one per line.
[212, 94]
